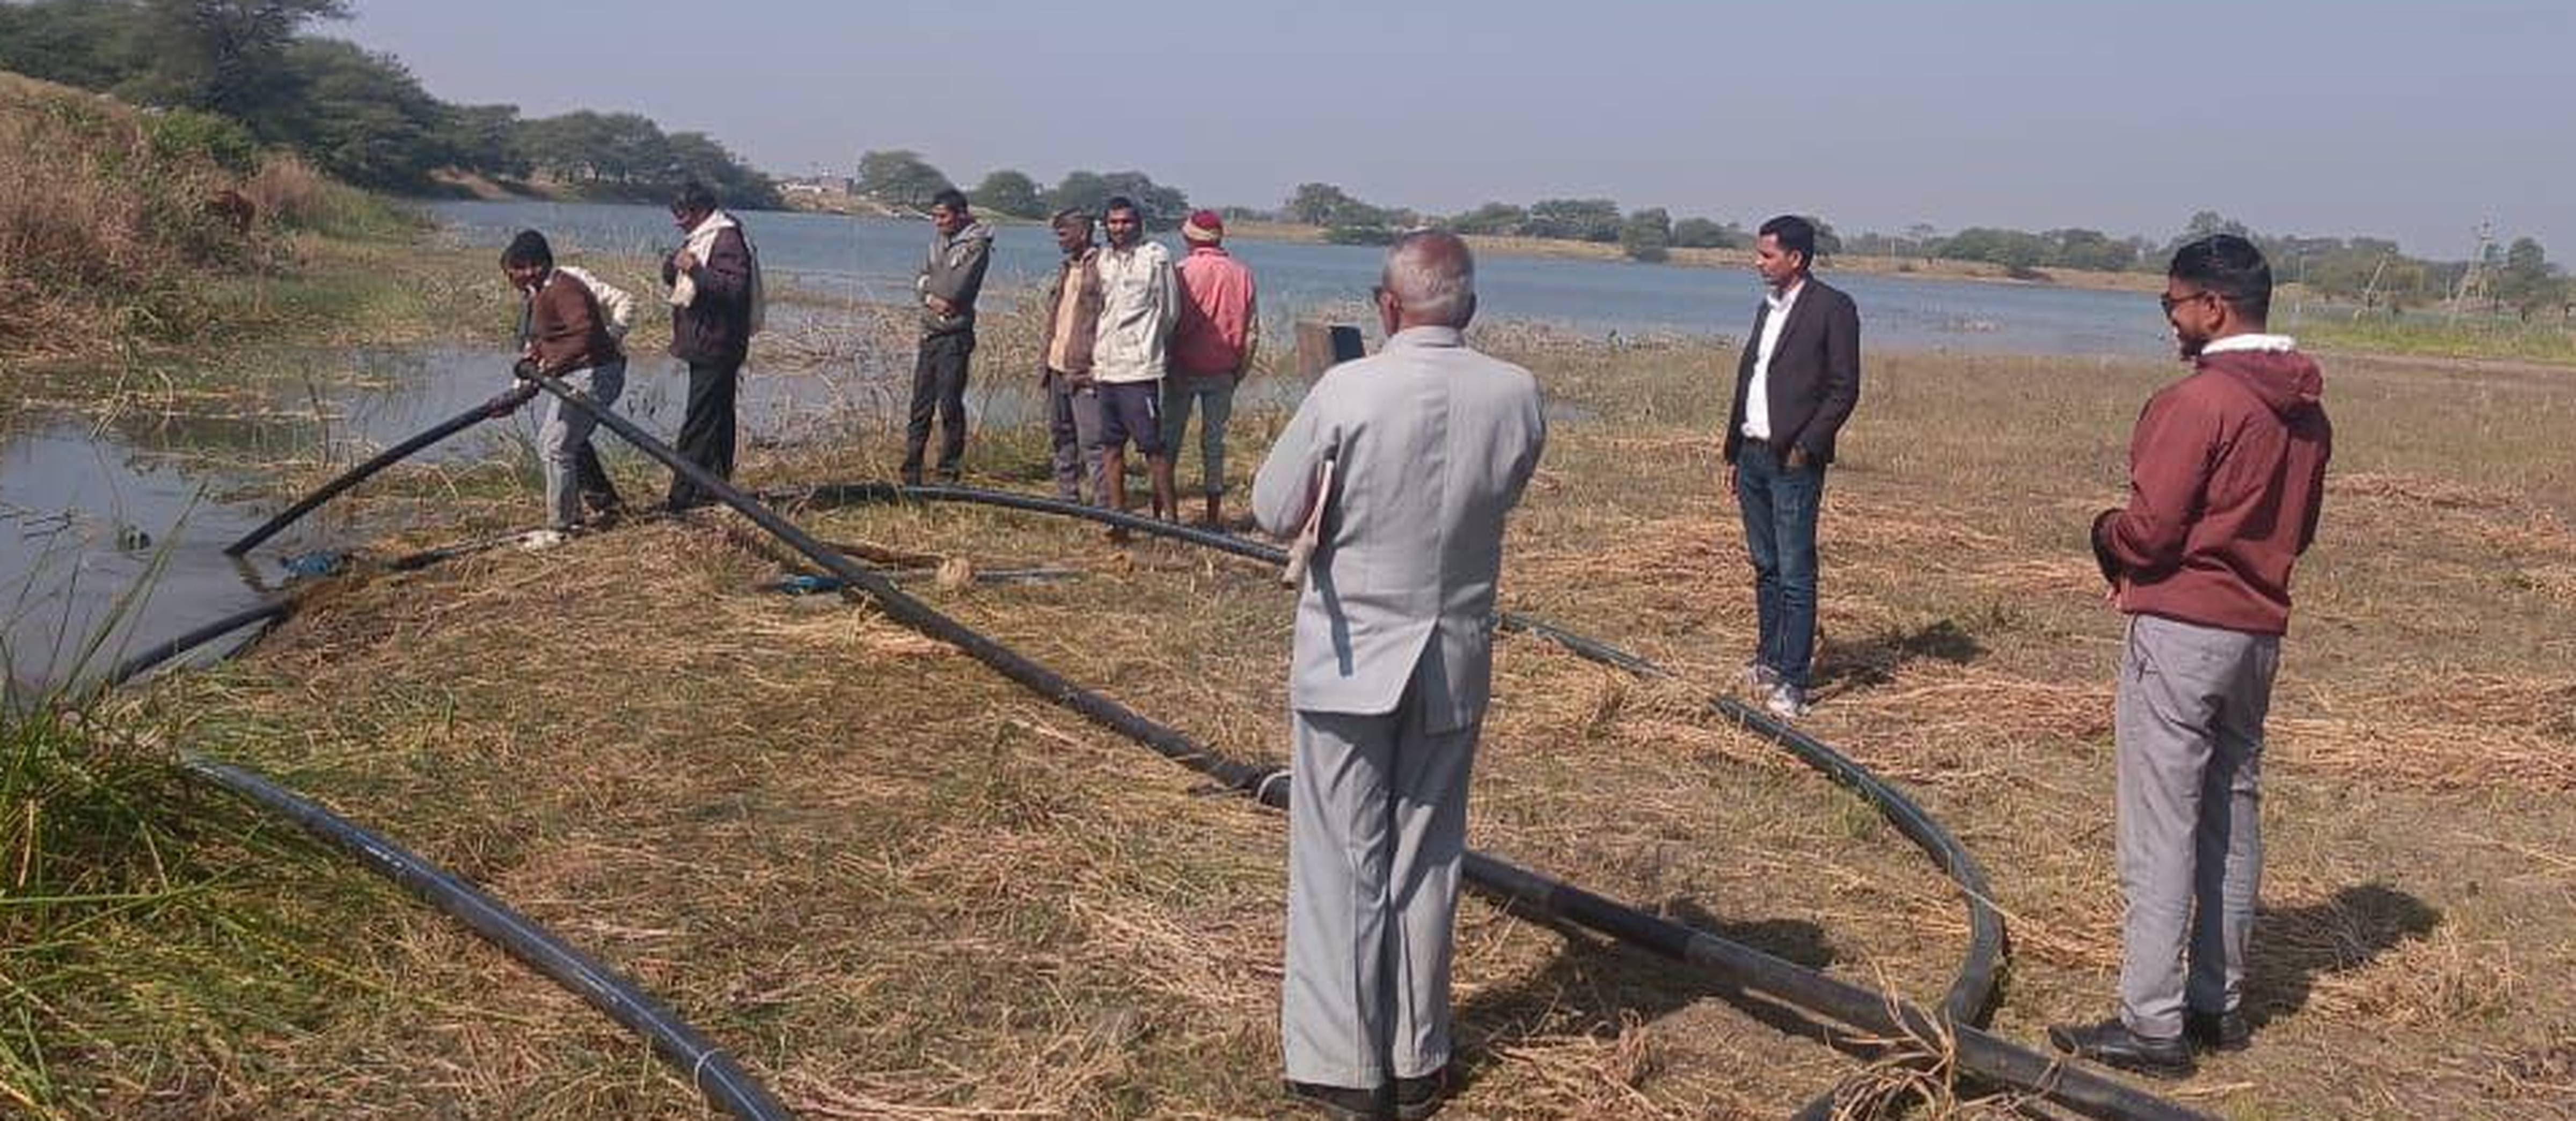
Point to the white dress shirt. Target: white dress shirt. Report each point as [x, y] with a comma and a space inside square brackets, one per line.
[1757, 396]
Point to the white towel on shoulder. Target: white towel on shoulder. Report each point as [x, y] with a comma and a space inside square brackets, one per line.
[700, 243]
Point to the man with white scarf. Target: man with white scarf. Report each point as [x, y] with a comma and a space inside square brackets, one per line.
[715, 309]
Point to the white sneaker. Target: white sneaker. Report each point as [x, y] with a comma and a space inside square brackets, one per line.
[1788, 702]
[1759, 679]
[539, 540]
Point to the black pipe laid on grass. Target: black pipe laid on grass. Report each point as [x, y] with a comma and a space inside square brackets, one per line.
[496, 407]
[1983, 1055]
[709, 1069]
[1970, 991]
[275, 609]
[920, 616]
[264, 613]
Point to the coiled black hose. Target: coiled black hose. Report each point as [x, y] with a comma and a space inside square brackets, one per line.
[1972, 989]
[707, 1066]
[1984, 1055]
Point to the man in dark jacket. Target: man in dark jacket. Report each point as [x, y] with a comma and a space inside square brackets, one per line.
[715, 308]
[1794, 388]
[2226, 480]
[950, 279]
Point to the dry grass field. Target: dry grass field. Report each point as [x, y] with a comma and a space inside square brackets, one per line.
[900, 887]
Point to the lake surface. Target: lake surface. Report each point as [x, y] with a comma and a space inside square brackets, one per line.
[115, 534]
[876, 258]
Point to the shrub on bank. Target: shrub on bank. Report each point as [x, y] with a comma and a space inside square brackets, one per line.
[113, 220]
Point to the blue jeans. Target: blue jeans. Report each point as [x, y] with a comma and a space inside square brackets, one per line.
[1779, 506]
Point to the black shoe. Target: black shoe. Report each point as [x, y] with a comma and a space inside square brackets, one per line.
[948, 476]
[1417, 1098]
[2111, 1043]
[912, 476]
[2217, 1031]
[1343, 1103]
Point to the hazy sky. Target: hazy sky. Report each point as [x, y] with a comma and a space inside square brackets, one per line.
[2411, 120]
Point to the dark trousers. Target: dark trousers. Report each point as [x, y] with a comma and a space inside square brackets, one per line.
[707, 432]
[938, 384]
[1779, 507]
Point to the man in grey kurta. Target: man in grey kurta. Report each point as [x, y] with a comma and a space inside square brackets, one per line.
[1432, 444]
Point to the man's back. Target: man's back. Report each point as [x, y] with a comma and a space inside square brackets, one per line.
[1432, 444]
[1215, 313]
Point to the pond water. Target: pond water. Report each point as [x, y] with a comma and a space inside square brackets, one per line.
[875, 259]
[111, 536]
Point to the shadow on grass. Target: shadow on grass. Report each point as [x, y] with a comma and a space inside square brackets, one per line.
[1875, 662]
[2294, 947]
[1598, 987]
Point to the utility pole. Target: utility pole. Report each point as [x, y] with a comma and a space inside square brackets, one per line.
[2473, 280]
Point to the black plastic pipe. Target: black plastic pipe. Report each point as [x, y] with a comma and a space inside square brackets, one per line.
[1972, 988]
[496, 407]
[1970, 992]
[712, 1071]
[263, 613]
[1980, 1054]
[920, 616]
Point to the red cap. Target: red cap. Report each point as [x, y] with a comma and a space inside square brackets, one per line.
[1204, 225]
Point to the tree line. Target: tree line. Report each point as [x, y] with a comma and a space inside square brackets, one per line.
[901, 179]
[356, 114]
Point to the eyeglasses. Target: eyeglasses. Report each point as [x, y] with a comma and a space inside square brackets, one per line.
[2169, 301]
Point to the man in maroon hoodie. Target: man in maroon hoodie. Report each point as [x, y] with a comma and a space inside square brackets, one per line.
[2226, 476]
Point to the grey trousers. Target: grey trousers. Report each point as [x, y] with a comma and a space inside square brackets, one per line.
[1073, 428]
[2189, 726]
[1215, 398]
[1377, 822]
[563, 443]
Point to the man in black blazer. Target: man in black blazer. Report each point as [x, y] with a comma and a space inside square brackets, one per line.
[1796, 385]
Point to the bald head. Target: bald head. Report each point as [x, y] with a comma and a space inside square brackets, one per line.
[1431, 279]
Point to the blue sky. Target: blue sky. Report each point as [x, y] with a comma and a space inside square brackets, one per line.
[2412, 121]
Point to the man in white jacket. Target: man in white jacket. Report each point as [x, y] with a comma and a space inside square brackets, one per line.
[1138, 307]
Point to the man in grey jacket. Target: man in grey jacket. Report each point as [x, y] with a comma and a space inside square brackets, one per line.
[1431, 445]
[950, 279]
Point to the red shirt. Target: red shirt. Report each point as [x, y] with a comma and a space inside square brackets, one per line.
[1214, 333]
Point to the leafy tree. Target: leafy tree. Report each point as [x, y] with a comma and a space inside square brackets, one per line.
[899, 177]
[1701, 233]
[485, 138]
[1491, 219]
[2204, 223]
[1161, 207]
[1647, 235]
[2018, 251]
[230, 56]
[359, 115]
[1574, 219]
[2088, 249]
[695, 155]
[80, 43]
[1828, 243]
[1009, 192]
[2527, 282]
[1317, 204]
